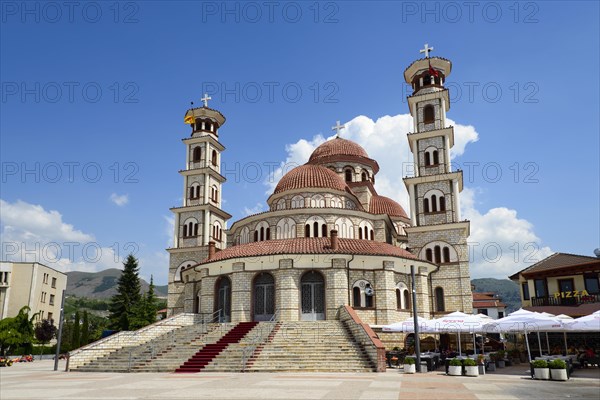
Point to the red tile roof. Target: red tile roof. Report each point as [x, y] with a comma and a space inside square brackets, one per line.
[310, 176]
[338, 146]
[488, 304]
[556, 262]
[310, 246]
[385, 205]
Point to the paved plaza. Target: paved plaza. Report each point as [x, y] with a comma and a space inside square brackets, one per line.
[37, 380]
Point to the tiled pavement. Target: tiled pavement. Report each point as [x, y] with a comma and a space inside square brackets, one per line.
[37, 381]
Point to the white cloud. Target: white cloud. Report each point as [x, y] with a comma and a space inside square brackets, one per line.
[500, 243]
[169, 229]
[32, 234]
[493, 233]
[119, 200]
[259, 207]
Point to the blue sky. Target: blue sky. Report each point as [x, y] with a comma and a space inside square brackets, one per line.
[103, 87]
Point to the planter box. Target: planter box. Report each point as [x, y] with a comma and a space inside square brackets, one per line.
[558, 374]
[410, 368]
[472, 370]
[455, 370]
[500, 364]
[492, 367]
[542, 373]
[481, 369]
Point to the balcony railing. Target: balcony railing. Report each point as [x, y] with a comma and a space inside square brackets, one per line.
[565, 301]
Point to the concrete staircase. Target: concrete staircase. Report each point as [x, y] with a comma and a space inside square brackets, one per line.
[310, 346]
[179, 344]
[208, 353]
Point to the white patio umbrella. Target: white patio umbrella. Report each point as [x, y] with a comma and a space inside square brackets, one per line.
[565, 320]
[589, 323]
[524, 321]
[458, 322]
[406, 326]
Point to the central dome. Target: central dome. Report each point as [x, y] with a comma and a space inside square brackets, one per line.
[338, 147]
[310, 176]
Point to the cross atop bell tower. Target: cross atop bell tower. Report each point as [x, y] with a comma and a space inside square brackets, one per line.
[426, 50]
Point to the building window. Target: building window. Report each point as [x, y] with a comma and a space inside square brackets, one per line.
[525, 288]
[406, 296]
[434, 203]
[426, 205]
[439, 299]
[428, 114]
[50, 315]
[429, 255]
[51, 302]
[483, 311]
[446, 254]
[398, 299]
[591, 283]
[196, 154]
[436, 158]
[364, 176]
[256, 236]
[540, 288]
[214, 158]
[427, 159]
[500, 314]
[214, 193]
[307, 230]
[438, 255]
[356, 297]
[348, 175]
[442, 203]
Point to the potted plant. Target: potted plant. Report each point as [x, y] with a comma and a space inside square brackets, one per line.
[558, 370]
[481, 364]
[455, 367]
[492, 365]
[470, 367]
[500, 363]
[540, 369]
[409, 365]
[515, 354]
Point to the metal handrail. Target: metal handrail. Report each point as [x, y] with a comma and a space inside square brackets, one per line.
[248, 351]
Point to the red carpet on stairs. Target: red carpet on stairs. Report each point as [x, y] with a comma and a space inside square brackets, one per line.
[203, 357]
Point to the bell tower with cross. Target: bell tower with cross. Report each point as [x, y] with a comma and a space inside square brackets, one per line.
[200, 222]
[438, 234]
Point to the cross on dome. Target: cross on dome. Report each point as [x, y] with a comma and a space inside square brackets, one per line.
[205, 99]
[426, 50]
[337, 128]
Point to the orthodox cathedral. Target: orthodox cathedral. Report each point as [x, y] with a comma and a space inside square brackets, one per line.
[328, 239]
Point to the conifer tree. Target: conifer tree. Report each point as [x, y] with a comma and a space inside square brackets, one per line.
[125, 302]
[85, 329]
[76, 336]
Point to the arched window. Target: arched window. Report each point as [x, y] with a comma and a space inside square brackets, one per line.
[280, 205]
[256, 236]
[434, 203]
[195, 191]
[307, 230]
[316, 229]
[442, 201]
[363, 176]
[356, 297]
[406, 296]
[426, 205]
[217, 232]
[427, 159]
[317, 201]
[262, 234]
[372, 235]
[446, 253]
[214, 158]
[324, 230]
[367, 231]
[268, 233]
[196, 154]
[345, 228]
[214, 193]
[286, 229]
[183, 266]
[436, 158]
[360, 232]
[428, 114]
[429, 255]
[335, 202]
[439, 299]
[185, 232]
[208, 126]
[362, 294]
[438, 255]
[398, 299]
[297, 202]
[245, 235]
[262, 231]
[348, 175]
[315, 226]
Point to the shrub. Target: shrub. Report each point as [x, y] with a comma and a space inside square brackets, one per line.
[469, 362]
[501, 354]
[557, 364]
[409, 361]
[540, 364]
[455, 362]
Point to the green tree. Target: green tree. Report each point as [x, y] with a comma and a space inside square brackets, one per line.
[16, 331]
[124, 303]
[151, 303]
[85, 329]
[44, 332]
[76, 335]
